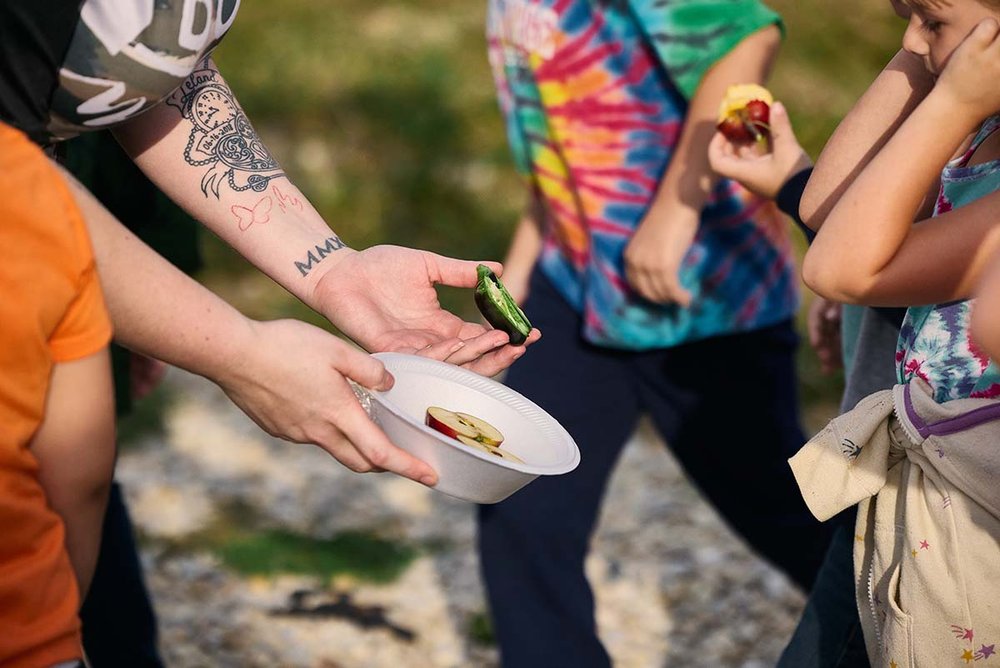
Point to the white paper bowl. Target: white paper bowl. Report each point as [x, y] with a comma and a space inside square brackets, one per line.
[465, 472]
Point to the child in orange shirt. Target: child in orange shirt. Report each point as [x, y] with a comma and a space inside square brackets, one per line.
[56, 410]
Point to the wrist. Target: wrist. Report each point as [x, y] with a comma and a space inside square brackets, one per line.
[953, 118]
[319, 274]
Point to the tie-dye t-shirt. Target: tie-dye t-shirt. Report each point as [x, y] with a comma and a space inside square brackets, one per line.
[594, 96]
[934, 342]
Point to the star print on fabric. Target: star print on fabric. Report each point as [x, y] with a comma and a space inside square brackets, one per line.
[893, 664]
[961, 632]
[985, 652]
[850, 450]
[946, 503]
[913, 552]
[924, 545]
[858, 538]
[967, 656]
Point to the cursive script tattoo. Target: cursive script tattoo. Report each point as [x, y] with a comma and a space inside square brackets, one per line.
[286, 201]
[329, 246]
[222, 139]
[259, 213]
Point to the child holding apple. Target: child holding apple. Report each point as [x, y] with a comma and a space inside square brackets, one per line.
[922, 145]
[863, 341]
[661, 289]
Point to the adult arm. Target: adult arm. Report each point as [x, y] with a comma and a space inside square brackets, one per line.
[868, 251]
[289, 377]
[654, 254]
[199, 147]
[75, 449]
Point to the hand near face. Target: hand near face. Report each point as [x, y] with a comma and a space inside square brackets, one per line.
[384, 299]
[969, 79]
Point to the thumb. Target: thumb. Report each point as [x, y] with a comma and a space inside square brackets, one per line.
[782, 134]
[364, 370]
[459, 273]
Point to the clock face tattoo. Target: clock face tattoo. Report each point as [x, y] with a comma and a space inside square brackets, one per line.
[211, 108]
[221, 137]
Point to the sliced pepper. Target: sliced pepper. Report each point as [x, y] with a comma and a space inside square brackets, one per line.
[499, 308]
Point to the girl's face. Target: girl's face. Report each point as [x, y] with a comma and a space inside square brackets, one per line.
[935, 29]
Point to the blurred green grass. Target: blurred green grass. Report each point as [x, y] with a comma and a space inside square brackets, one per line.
[384, 114]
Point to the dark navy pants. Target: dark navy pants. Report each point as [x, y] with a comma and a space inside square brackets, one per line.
[119, 627]
[728, 408]
[829, 633]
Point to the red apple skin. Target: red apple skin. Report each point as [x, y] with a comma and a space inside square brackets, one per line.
[440, 426]
[748, 124]
[758, 114]
[733, 129]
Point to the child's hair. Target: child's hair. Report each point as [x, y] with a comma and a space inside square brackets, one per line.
[931, 4]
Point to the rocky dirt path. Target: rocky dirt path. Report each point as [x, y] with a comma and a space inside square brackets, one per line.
[674, 587]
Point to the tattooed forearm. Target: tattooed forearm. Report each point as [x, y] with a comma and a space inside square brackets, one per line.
[247, 216]
[286, 201]
[313, 258]
[222, 139]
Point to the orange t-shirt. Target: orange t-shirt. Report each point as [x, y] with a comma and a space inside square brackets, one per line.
[51, 310]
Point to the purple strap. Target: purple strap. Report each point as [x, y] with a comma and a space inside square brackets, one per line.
[952, 425]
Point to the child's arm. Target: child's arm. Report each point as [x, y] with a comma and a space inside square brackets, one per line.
[780, 174]
[893, 95]
[654, 254]
[525, 246]
[868, 251]
[75, 449]
[986, 312]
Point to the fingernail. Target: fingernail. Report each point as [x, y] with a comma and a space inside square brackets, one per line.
[428, 480]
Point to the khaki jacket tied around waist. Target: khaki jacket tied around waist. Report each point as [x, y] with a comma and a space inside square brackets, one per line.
[927, 556]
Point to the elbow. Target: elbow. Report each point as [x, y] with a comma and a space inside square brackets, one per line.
[828, 278]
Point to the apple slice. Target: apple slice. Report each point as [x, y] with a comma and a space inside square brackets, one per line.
[449, 423]
[493, 450]
[487, 433]
[745, 114]
[454, 424]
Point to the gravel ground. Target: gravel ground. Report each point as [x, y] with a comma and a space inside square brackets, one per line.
[674, 586]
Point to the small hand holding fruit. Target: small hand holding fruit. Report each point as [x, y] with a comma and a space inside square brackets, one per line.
[468, 429]
[765, 174]
[745, 114]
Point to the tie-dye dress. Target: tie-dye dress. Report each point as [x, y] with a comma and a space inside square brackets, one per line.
[934, 342]
[594, 95]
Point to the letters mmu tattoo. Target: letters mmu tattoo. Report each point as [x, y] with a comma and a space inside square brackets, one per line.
[329, 246]
[221, 139]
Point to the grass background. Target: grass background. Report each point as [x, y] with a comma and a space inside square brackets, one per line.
[383, 113]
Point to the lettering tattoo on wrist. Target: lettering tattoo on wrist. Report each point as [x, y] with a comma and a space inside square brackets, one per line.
[330, 245]
[221, 139]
